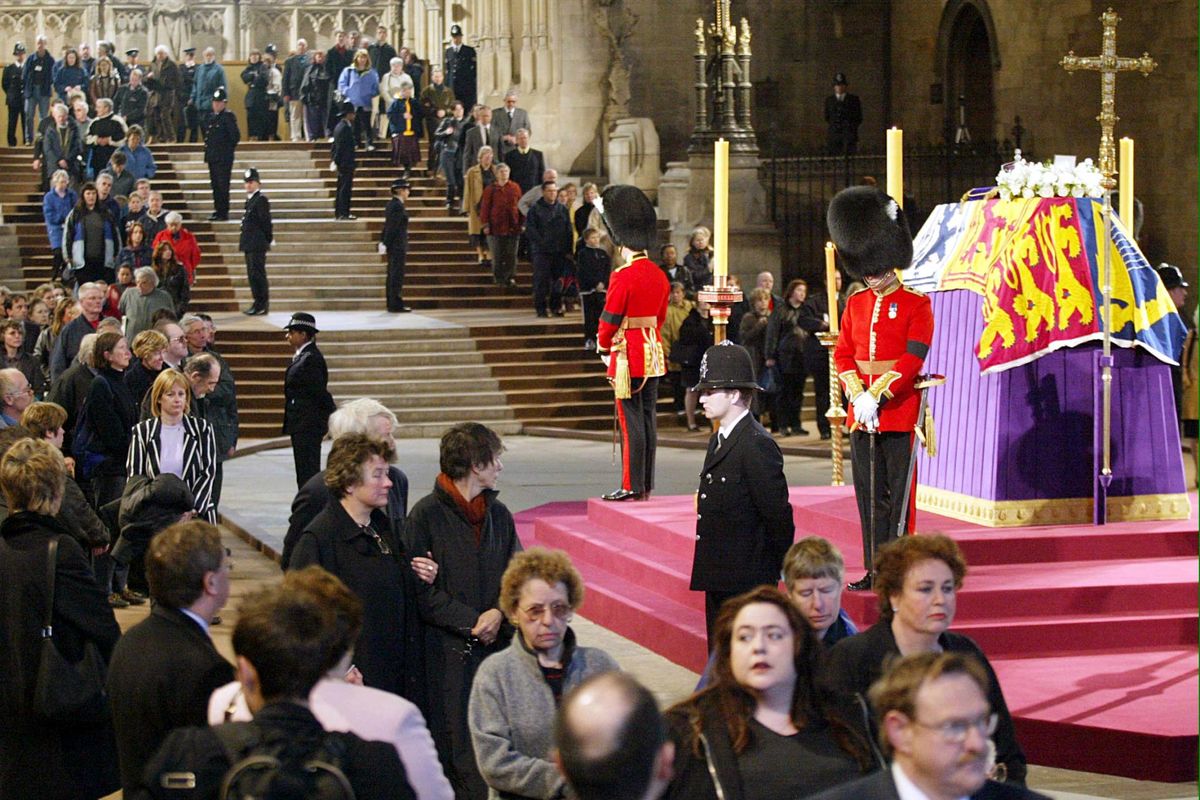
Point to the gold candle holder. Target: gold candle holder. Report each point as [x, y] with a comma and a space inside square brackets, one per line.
[836, 414]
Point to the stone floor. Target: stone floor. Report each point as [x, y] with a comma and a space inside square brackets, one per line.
[259, 488]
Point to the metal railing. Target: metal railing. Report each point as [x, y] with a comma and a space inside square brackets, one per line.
[800, 187]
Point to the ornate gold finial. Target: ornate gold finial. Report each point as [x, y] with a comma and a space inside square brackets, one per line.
[744, 40]
[1108, 64]
[701, 38]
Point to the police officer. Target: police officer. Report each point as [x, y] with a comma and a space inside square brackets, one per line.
[627, 338]
[394, 241]
[14, 94]
[221, 138]
[744, 523]
[343, 161]
[843, 113]
[460, 68]
[256, 239]
[885, 336]
[306, 398]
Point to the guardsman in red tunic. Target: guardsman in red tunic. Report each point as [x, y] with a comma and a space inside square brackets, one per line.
[627, 338]
[885, 336]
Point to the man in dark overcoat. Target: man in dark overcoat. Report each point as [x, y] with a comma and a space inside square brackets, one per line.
[343, 161]
[258, 234]
[306, 398]
[394, 240]
[166, 666]
[744, 523]
[221, 137]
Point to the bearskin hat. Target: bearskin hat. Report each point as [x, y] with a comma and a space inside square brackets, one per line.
[870, 231]
[629, 216]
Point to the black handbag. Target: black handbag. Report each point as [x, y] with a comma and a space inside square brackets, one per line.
[66, 692]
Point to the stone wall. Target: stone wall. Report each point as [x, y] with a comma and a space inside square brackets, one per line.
[1058, 109]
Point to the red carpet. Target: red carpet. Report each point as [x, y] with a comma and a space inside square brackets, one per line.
[1093, 631]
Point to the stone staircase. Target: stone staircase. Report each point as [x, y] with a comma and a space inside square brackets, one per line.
[474, 351]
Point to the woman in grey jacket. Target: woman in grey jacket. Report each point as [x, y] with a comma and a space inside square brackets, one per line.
[516, 692]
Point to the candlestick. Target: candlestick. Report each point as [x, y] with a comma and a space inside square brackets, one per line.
[721, 210]
[831, 286]
[1125, 212]
[895, 165]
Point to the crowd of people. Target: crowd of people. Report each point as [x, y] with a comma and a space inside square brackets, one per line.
[423, 653]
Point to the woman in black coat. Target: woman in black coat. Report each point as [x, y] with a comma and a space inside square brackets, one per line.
[109, 416]
[695, 337]
[352, 539]
[256, 76]
[39, 760]
[785, 350]
[471, 535]
[764, 727]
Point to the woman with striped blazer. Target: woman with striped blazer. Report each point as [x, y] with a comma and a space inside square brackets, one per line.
[172, 441]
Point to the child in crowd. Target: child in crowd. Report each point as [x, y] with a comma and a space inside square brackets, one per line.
[124, 281]
[592, 267]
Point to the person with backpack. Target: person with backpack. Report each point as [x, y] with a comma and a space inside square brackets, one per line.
[282, 642]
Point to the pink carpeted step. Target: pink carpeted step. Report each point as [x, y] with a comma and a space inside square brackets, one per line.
[640, 561]
[674, 631]
[1120, 713]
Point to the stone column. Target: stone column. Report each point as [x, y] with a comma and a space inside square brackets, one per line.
[503, 76]
[526, 55]
[294, 32]
[233, 44]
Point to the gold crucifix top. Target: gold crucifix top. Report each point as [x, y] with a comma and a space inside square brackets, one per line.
[1108, 64]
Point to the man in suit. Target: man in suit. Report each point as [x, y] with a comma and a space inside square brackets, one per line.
[338, 57]
[627, 339]
[934, 722]
[483, 132]
[460, 68]
[527, 163]
[343, 161]
[306, 398]
[843, 114]
[221, 403]
[163, 670]
[256, 239]
[221, 137]
[62, 146]
[394, 240]
[744, 523]
[510, 119]
[14, 95]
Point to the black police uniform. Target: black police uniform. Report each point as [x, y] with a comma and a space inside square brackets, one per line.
[342, 153]
[255, 241]
[461, 72]
[187, 116]
[221, 137]
[395, 238]
[14, 97]
[744, 522]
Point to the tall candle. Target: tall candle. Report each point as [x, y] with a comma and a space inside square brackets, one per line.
[1125, 212]
[895, 164]
[831, 286]
[721, 210]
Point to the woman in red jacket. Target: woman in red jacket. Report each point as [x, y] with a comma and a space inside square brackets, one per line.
[187, 251]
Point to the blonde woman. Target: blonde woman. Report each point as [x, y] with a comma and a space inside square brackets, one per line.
[478, 178]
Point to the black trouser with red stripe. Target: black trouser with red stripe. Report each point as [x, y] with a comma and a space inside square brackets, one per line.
[892, 452]
[639, 435]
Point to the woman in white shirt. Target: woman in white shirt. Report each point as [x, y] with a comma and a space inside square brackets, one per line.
[172, 441]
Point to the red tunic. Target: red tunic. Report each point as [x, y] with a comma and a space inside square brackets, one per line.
[881, 349]
[637, 291]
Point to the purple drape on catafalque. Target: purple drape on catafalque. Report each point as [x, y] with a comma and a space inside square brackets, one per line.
[1022, 439]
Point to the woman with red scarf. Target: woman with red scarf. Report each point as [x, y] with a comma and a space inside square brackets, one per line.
[471, 535]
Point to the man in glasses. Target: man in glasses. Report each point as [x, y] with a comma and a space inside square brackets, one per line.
[934, 723]
[15, 396]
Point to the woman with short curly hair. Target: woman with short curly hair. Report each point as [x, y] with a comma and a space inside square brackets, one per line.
[917, 579]
[353, 539]
[517, 691]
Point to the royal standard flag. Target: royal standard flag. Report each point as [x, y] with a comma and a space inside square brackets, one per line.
[1037, 264]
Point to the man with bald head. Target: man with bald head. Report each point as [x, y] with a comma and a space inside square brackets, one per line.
[15, 396]
[610, 741]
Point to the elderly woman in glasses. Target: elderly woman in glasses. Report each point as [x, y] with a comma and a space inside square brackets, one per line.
[353, 539]
[516, 691]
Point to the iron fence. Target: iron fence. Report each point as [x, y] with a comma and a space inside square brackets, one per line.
[800, 188]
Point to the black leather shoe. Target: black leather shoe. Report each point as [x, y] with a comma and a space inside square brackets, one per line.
[401, 310]
[250, 312]
[218, 218]
[864, 584]
[826, 436]
[801, 431]
[621, 495]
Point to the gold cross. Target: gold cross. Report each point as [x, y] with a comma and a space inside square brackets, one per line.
[1108, 64]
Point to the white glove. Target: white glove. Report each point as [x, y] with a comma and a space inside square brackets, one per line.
[382, 249]
[272, 243]
[333, 166]
[605, 358]
[866, 411]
